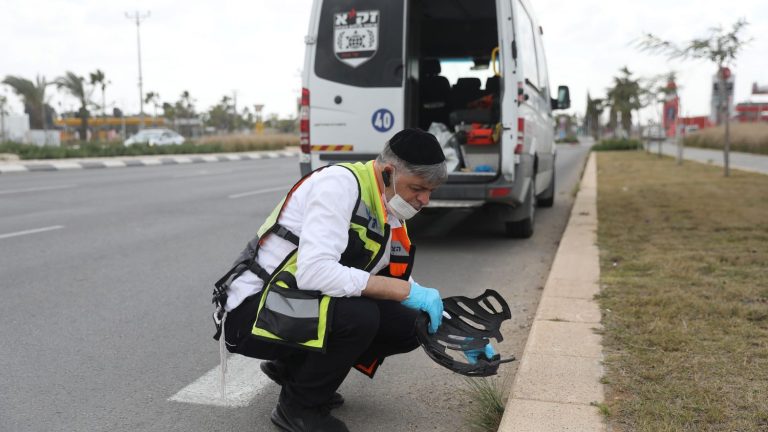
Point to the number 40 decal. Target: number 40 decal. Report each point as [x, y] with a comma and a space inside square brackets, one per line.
[383, 120]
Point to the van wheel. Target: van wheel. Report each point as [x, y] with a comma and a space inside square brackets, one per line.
[524, 227]
[548, 197]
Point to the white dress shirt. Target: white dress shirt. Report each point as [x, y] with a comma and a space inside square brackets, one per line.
[319, 212]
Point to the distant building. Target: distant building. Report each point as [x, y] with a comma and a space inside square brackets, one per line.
[749, 112]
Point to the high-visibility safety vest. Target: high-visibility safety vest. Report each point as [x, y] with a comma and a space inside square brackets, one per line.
[302, 317]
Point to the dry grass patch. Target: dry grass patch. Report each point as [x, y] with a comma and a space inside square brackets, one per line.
[251, 142]
[684, 269]
[745, 137]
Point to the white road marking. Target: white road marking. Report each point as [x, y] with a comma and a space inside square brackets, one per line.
[201, 173]
[245, 381]
[35, 189]
[182, 160]
[257, 192]
[32, 231]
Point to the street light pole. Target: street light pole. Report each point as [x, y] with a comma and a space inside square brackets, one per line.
[138, 18]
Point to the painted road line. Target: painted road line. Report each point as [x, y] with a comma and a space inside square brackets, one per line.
[35, 189]
[183, 160]
[209, 158]
[32, 231]
[245, 381]
[257, 192]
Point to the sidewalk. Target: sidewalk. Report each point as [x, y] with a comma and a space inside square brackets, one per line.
[740, 161]
[559, 375]
[134, 161]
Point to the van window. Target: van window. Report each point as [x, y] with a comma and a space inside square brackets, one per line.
[543, 72]
[527, 46]
[360, 42]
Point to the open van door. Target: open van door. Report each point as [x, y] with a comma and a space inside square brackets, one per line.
[353, 80]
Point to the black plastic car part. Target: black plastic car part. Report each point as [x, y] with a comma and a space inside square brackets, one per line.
[468, 324]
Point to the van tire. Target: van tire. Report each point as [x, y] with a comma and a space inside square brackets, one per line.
[523, 228]
[547, 199]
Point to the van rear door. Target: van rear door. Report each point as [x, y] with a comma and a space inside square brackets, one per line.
[355, 79]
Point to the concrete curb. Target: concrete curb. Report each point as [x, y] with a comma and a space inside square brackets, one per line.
[560, 369]
[137, 161]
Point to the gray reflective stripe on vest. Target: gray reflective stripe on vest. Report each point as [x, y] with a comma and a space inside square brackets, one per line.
[364, 212]
[398, 249]
[297, 308]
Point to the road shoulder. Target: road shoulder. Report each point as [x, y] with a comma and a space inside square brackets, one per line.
[558, 380]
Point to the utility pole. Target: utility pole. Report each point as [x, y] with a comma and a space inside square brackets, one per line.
[138, 18]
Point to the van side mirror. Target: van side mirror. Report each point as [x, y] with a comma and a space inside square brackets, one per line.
[563, 100]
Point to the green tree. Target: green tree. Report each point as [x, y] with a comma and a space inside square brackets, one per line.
[594, 110]
[33, 97]
[720, 47]
[76, 86]
[98, 79]
[185, 106]
[623, 98]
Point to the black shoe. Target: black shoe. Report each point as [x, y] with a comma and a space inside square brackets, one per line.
[293, 419]
[275, 370]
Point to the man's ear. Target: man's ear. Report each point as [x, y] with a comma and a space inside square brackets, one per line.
[386, 177]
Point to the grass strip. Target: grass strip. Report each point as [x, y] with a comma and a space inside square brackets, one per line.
[745, 137]
[211, 144]
[684, 275]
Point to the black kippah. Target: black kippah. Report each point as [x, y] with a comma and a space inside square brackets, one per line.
[417, 147]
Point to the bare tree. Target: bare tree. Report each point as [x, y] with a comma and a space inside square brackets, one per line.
[719, 47]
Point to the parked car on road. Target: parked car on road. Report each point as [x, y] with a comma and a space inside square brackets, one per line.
[155, 137]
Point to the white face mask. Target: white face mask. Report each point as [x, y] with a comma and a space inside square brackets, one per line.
[399, 207]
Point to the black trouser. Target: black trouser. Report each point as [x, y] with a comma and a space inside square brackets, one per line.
[362, 329]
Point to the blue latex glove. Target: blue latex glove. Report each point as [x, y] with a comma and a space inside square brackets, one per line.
[427, 300]
[473, 355]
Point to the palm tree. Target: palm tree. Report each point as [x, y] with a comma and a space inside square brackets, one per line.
[33, 97]
[75, 86]
[98, 78]
[154, 99]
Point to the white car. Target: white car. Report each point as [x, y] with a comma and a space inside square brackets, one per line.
[155, 137]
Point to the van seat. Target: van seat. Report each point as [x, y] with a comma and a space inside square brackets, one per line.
[492, 86]
[465, 91]
[434, 94]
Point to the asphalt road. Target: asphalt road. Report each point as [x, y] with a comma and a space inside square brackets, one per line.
[737, 160]
[106, 278]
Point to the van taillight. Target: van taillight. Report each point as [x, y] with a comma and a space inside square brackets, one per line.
[304, 121]
[520, 136]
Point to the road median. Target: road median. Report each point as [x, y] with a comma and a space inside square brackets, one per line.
[684, 295]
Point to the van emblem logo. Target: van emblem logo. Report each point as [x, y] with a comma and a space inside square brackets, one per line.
[356, 36]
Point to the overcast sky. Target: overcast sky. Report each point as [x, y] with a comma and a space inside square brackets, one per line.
[256, 47]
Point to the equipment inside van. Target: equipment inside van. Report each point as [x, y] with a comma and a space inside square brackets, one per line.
[472, 72]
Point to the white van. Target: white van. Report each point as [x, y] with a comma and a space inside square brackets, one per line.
[471, 71]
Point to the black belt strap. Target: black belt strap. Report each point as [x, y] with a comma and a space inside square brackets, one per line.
[259, 271]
